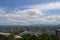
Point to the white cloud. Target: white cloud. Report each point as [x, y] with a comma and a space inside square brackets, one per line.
[28, 17]
[24, 17]
[31, 16]
[52, 19]
[46, 6]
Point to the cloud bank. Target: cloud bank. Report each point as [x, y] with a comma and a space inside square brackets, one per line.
[30, 16]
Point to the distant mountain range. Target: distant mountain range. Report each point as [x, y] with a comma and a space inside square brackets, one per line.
[40, 26]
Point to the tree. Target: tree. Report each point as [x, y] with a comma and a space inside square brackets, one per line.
[11, 37]
[34, 37]
[26, 37]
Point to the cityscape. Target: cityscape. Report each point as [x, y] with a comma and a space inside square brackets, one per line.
[29, 19]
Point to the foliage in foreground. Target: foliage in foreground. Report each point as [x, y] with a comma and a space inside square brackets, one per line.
[43, 36]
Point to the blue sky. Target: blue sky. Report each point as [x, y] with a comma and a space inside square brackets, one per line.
[11, 4]
[29, 12]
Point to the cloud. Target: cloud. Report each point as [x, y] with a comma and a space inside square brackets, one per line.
[28, 17]
[20, 17]
[52, 19]
[35, 15]
[46, 6]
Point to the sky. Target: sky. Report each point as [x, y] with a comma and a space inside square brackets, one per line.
[29, 12]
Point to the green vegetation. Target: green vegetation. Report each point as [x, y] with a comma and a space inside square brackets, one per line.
[43, 36]
[39, 37]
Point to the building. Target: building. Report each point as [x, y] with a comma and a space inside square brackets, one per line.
[58, 34]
